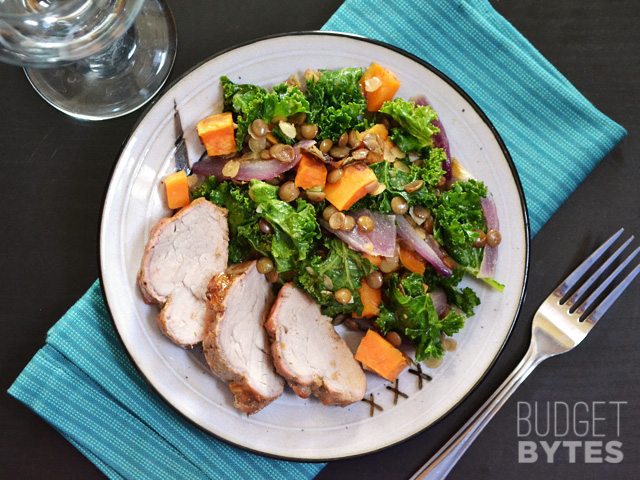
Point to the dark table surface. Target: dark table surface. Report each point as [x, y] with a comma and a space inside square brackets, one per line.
[55, 170]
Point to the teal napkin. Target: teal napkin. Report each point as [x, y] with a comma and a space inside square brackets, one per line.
[82, 381]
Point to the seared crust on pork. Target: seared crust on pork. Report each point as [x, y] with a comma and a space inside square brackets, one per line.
[235, 345]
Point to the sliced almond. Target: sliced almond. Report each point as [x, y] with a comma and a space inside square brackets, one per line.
[413, 186]
[392, 152]
[311, 75]
[372, 142]
[397, 152]
[373, 157]
[402, 167]
[458, 171]
[316, 152]
[288, 129]
[381, 188]
[248, 157]
[231, 168]
[372, 84]
[294, 81]
[413, 156]
[360, 154]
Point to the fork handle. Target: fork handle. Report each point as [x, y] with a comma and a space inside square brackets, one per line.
[439, 466]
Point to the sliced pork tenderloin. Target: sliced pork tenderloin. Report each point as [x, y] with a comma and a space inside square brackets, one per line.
[236, 345]
[183, 253]
[309, 353]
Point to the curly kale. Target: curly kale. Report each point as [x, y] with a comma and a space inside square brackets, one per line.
[336, 102]
[416, 128]
[326, 272]
[410, 311]
[321, 265]
[295, 228]
[458, 219]
[250, 102]
[463, 298]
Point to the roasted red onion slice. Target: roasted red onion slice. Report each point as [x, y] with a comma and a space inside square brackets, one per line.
[440, 139]
[249, 169]
[381, 241]
[427, 249]
[439, 299]
[490, 255]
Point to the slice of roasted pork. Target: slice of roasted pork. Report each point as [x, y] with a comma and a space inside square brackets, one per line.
[183, 253]
[236, 345]
[309, 353]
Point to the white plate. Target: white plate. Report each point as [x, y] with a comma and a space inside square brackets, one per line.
[292, 427]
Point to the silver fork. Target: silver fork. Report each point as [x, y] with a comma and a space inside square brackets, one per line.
[559, 325]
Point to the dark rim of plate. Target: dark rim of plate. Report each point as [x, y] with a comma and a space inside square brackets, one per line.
[453, 85]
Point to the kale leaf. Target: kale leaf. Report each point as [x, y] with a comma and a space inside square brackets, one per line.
[405, 141]
[416, 124]
[325, 273]
[336, 102]
[410, 311]
[458, 219]
[295, 228]
[231, 89]
[245, 102]
[250, 102]
[285, 100]
[463, 298]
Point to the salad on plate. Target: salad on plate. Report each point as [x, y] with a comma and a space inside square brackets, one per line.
[346, 201]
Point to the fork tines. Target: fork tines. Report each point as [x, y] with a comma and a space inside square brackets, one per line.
[574, 280]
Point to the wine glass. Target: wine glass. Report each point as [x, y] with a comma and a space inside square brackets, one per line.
[91, 59]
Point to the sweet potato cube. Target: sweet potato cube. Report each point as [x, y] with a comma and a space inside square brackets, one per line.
[371, 299]
[379, 356]
[379, 85]
[176, 187]
[217, 134]
[351, 187]
[311, 172]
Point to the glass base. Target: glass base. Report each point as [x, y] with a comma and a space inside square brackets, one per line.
[121, 79]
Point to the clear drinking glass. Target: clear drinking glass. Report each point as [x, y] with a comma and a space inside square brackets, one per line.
[91, 59]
